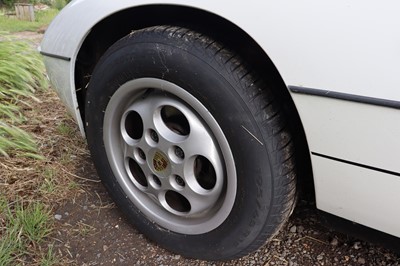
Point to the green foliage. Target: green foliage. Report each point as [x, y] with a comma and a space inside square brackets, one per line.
[33, 221]
[10, 3]
[9, 246]
[59, 4]
[49, 258]
[18, 141]
[65, 130]
[21, 226]
[42, 18]
[49, 184]
[21, 71]
[46, 2]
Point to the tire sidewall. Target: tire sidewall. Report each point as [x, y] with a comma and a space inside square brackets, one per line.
[210, 81]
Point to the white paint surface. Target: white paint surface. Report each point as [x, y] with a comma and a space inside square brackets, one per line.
[357, 132]
[359, 195]
[348, 46]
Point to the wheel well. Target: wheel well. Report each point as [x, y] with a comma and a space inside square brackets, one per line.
[118, 25]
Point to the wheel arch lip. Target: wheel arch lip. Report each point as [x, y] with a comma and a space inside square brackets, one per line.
[68, 31]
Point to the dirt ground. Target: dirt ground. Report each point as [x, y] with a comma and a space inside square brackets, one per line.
[90, 230]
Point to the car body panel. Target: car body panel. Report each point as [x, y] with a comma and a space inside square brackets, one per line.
[357, 132]
[344, 46]
[353, 147]
[59, 73]
[358, 194]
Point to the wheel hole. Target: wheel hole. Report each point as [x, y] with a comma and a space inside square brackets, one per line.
[137, 172]
[141, 154]
[179, 153]
[204, 172]
[153, 136]
[156, 181]
[177, 202]
[134, 125]
[179, 181]
[175, 120]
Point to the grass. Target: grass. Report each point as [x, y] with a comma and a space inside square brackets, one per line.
[50, 181]
[25, 222]
[12, 24]
[21, 69]
[18, 141]
[30, 189]
[21, 72]
[49, 184]
[65, 129]
[49, 258]
[24, 226]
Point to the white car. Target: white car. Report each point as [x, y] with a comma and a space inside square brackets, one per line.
[202, 117]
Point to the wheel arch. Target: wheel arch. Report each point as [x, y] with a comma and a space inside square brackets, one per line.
[117, 25]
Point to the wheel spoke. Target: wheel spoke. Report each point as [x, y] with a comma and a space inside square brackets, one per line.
[169, 158]
[199, 202]
[128, 150]
[145, 110]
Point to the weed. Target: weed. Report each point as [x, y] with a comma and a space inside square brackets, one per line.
[49, 183]
[9, 246]
[49, 258]
[65, 129]
[12, 137]
[34, 221]
[23, 226]
[21, 71]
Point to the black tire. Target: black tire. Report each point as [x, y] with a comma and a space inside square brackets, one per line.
[244, 108]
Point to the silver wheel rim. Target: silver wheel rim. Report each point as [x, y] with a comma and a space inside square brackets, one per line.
[170, 156]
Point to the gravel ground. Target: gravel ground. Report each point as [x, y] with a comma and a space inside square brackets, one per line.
[92, 231]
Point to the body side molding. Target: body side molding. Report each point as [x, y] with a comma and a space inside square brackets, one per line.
[356, 164]
[346, 97]
[55, 56]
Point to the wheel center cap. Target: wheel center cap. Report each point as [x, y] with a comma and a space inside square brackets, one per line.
[160, 162]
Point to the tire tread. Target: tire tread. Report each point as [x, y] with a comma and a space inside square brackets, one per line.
[270, 116]
[268, 112]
